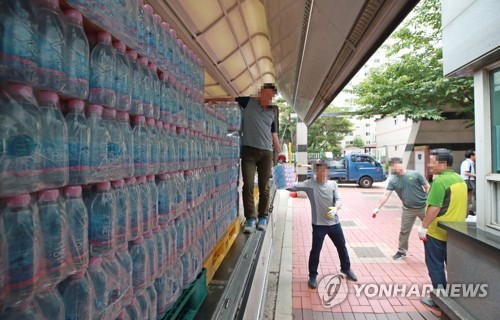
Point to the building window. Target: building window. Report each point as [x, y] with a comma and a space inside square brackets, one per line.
[367, 125]
[367, 133]
[395, 148]
[376, 60]
[495, 145]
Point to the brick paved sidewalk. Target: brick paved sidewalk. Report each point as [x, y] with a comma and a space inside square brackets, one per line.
[371, 244]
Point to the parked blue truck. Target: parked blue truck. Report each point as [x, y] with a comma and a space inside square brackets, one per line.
[358, 168]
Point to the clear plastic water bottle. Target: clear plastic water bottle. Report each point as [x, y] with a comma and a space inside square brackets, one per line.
[181, 137]
[102, 72]
[135, 84]
[155, 90]
[162, 148]
[140, 265]
[143, 301]
[153, 190]
[54, 141]
[51, 44]
[123, 88]
[162, 250]
[154, 161]
[78, 296]
[164, 198]
[78, 142]
[18, 48]
[163, 291]
[135, 208]
[151, 34]
[122, 212]
[164, 98]
[141, 28]
[101, 286]
[170, 236]
[181, 229]
[22, 237]
[76, 56]
[125, 263]
[99, 139]
[20, 162]
[153, 301]
[152, 254]
[188, 177]
[126, 131]
[133, 310]
[116, 157]
[50, 304]
[147, 204]
[146, 86]
[111, 267]
[78, 222]
[175, 53]
[167, 43]
[53, 226]
[101, 206]
[174, 159]
[141, 146]
[159, 53]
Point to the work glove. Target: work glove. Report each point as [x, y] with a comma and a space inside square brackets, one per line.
[374, 213]
[422, 233]
[330, 214]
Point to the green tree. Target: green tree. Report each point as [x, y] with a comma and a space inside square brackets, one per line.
[327, 132]
[358, 142]
[287, 125]
[412, 84]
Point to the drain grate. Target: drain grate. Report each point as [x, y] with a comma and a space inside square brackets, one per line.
[348, 223]
[368, 252]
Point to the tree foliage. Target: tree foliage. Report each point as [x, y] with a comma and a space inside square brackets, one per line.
[326, 134]
[412, 83]
[358, 142]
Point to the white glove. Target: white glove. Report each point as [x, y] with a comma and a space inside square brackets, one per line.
[330, 214]
[422, 233]
[374, 212]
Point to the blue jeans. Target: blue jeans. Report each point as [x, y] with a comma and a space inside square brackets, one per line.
[435, 258]
[335, 233]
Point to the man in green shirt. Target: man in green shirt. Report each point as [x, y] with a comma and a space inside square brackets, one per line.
[411, 187]
[447, 201]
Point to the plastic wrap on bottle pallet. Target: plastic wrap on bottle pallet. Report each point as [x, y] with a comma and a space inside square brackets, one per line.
[76, 56]
[19, 47]
[51, 45]
[20, 152]
[284, 176]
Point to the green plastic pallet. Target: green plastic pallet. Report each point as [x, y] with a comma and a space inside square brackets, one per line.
[190, 300]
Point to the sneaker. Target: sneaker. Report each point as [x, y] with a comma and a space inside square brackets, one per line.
[262, 225]
[312, 283]
[399, 255]
[350, 275]
[249, 226]
[429, 302]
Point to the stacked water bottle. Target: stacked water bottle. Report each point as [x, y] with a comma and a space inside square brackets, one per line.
[116, 181]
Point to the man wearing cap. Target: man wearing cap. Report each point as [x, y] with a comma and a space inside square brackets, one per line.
[258, 142]
[412, 189]
[325, 202]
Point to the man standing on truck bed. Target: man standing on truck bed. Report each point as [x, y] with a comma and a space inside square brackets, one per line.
[412, 189]
[258, 141]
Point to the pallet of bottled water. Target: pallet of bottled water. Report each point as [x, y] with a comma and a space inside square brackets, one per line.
[284, 176]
